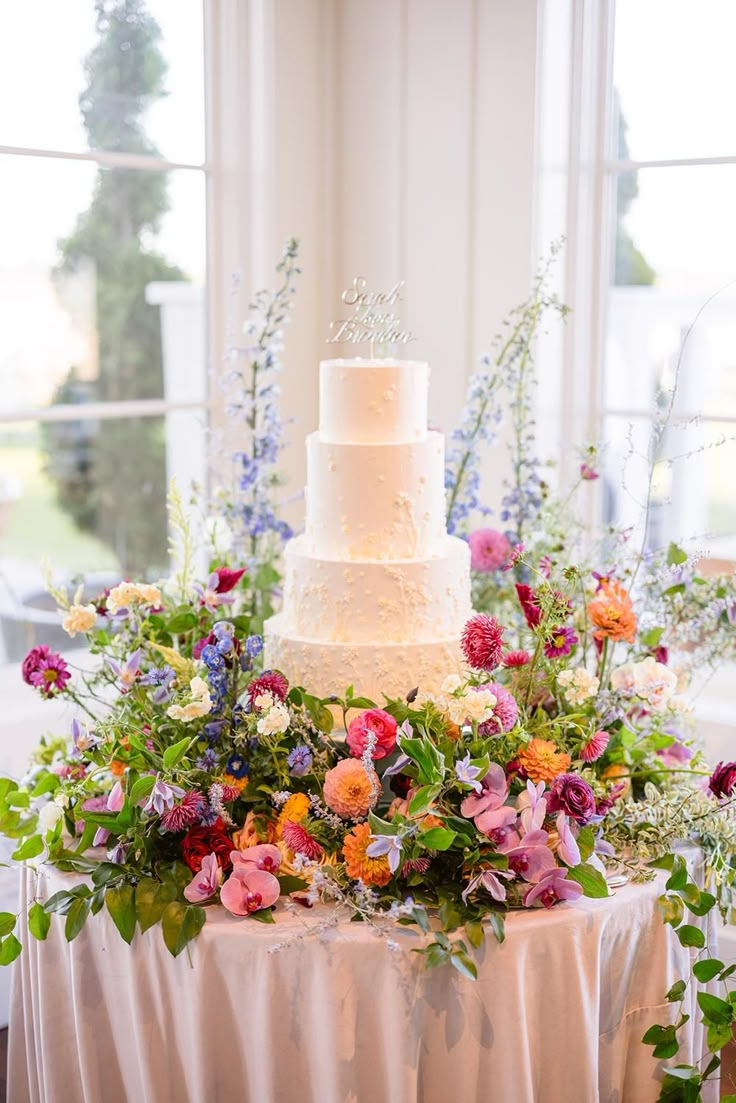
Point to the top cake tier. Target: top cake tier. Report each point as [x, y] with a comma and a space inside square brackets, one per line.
[373, 401]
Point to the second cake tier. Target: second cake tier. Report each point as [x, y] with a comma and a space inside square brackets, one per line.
[375, 501]
[375, 601]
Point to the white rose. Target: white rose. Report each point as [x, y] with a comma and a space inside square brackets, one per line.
[48, 817]
[277, 719]
[80, 618]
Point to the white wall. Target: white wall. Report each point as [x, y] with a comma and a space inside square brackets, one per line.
[396, 139]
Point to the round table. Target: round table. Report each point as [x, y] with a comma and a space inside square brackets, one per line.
[280, 1013]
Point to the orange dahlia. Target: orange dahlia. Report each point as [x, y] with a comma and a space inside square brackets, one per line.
[612, 613]
[542, 761]
[349, 790]
[371, 871]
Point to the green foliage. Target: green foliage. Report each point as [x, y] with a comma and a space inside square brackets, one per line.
[86, 459]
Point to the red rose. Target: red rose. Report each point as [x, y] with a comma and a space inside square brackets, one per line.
[528, 602]
[375, 722]
[200, 841]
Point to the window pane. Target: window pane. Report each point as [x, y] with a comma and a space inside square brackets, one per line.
[84, 315]
[674, 246]
[138, 75]
[674, 78]
[89, 497]
[693, 501]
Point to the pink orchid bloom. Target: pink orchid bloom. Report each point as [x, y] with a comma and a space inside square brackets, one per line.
[551, 888]
[494, 790]
[495, 822]
[116, 798]
[567, 847]
[264, 856]
[205, 883]
[249, 889]
[490, 881]
[533, 806]
[532, 858]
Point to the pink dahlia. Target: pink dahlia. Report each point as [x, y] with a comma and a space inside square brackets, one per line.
[375, 722]
[489, 549]
[271, 681]
[505, 711]
[482, 642]
[184, 814]
[301, 841]
[516, 658]
[560, 641]
[45, 670]
[595, 746]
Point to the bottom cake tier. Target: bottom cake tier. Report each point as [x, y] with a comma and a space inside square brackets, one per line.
[373, 669]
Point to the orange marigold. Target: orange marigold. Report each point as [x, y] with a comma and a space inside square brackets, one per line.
[371, 871]
[612, 613]
[542, 761]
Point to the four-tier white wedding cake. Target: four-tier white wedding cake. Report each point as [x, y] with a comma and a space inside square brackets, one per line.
[376, 592]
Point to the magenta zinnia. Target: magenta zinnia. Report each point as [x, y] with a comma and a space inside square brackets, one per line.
[560, 641]
[482, 642]
[45, 670]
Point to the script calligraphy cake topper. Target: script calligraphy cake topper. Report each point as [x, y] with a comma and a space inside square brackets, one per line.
[374, 317]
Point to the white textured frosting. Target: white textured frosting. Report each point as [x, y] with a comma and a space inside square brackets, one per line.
[374, 669]
[373, 401]
[375, 501]
[360, 601]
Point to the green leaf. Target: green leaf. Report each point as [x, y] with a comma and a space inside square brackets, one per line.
[718, 1036]
[120, 901]
[691, 936]
[141, 788]
[182, 622]
[715, 1010]
[437, 838]
[151, 899]
[361, 703]
[672, 908]
[586, 842]
[10, 948]
[678, 877]
[21, 798]
[176, 752]
[436, 955]
[677, 991]
[474, 931]
[60, 902]
[104, 872]
[290, 883]
[181, 923]
[706, 969]
[423, 798]
[264, 915]
[675, 555]
[450, 916]
[39, 921]
[591, 880]
[652, 637]
[7, 923]
[464, 964]
[657, 1034]
[76, 917]
[497, 923]
[31, 848]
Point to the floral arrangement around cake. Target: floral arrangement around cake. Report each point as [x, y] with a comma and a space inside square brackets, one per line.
[564, 753]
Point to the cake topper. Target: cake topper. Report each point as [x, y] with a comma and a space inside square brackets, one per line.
[373, 318]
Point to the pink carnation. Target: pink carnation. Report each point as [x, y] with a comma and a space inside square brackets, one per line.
[595, 746]
[482, 642]
[298, 839]
[489, 549]
[375, 722]
[505, 711]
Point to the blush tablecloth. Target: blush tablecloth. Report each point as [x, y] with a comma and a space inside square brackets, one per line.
[556, 1016]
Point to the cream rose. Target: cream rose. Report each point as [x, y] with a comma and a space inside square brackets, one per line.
[277, 719]
[80, 618]
[199, 705]
[126, 594]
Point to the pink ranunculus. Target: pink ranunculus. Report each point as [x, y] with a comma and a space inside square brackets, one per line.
[489, 549]
[249, 889]
[376, 722]
[482, 642]
[572, 794]
[263, 856]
